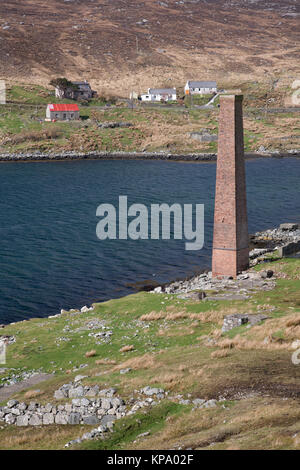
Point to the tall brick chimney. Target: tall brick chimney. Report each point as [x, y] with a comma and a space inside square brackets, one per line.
[230, 241]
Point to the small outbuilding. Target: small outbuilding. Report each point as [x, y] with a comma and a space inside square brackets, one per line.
[62, 112]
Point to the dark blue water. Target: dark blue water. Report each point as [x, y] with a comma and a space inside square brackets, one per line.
[50, 257]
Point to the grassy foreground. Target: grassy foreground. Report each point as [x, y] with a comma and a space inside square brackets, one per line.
[167, 128]
[177, 345]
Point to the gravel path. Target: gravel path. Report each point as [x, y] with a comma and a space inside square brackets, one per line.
[7, 392]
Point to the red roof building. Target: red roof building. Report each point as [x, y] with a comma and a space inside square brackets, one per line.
[62, 112]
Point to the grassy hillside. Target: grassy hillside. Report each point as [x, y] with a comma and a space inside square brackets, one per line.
[168, 128]
[177, 345]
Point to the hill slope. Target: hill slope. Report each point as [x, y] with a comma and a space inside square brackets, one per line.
[123, 45]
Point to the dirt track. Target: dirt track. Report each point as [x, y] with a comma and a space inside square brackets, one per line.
[7, 392]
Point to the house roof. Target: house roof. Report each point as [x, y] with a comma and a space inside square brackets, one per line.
[162, 91]
[198, 84]
[63, 107]
[82, 85]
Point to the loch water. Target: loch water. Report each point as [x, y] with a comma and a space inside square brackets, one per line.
[51, 258]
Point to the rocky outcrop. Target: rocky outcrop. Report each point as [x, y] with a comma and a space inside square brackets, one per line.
[238, 319]
[224, 288]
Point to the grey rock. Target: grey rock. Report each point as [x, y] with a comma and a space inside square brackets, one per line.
[68, 407]
[74, 418]
[10, 418]
[90, 419]
[233, 321]
[288, 227]
[84, 402]
[35, 420]
[267, 274]
[61, 418]
[152, 391]
[107, 419]
[12, 403]
[78, 378]
[198, 401]
[184, 402]
[22, 406]
[60, 394]
[22, 420]
[107, 392]
[48, 418]
[76, 392]
[193, 295]
[48, 407]
[32, 406]
[106, 403]
[210, 404]
[76, 402]
[116, 402]
[93, 391]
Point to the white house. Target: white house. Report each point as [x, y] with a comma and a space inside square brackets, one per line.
[200, 88]
[159, 94]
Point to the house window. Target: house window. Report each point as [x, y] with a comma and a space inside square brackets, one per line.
[65, 116]
[72, 115]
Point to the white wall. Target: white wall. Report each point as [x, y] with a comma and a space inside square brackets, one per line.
[2, 92]
[157, 97]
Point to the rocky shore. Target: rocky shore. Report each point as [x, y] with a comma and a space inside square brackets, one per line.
[202, 157]
[227, 288]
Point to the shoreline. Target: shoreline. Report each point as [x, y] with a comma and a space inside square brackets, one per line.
[146, 156]
[259, 249]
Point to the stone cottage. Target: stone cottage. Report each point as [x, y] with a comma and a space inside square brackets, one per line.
[81, 91]
[62, 112]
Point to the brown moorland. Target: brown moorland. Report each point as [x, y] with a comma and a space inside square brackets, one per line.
[123, 45]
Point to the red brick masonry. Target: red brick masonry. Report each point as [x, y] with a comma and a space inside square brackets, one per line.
[230, 241]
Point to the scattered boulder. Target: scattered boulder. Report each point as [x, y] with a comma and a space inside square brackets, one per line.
[199, 295]
[159, 392]
[295, 344]
[288, 227]
[209, 404]
[266, 274]
[238, 319]
[76, 392]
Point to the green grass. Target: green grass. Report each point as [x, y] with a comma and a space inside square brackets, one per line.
[128, 429]
[169, 353]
